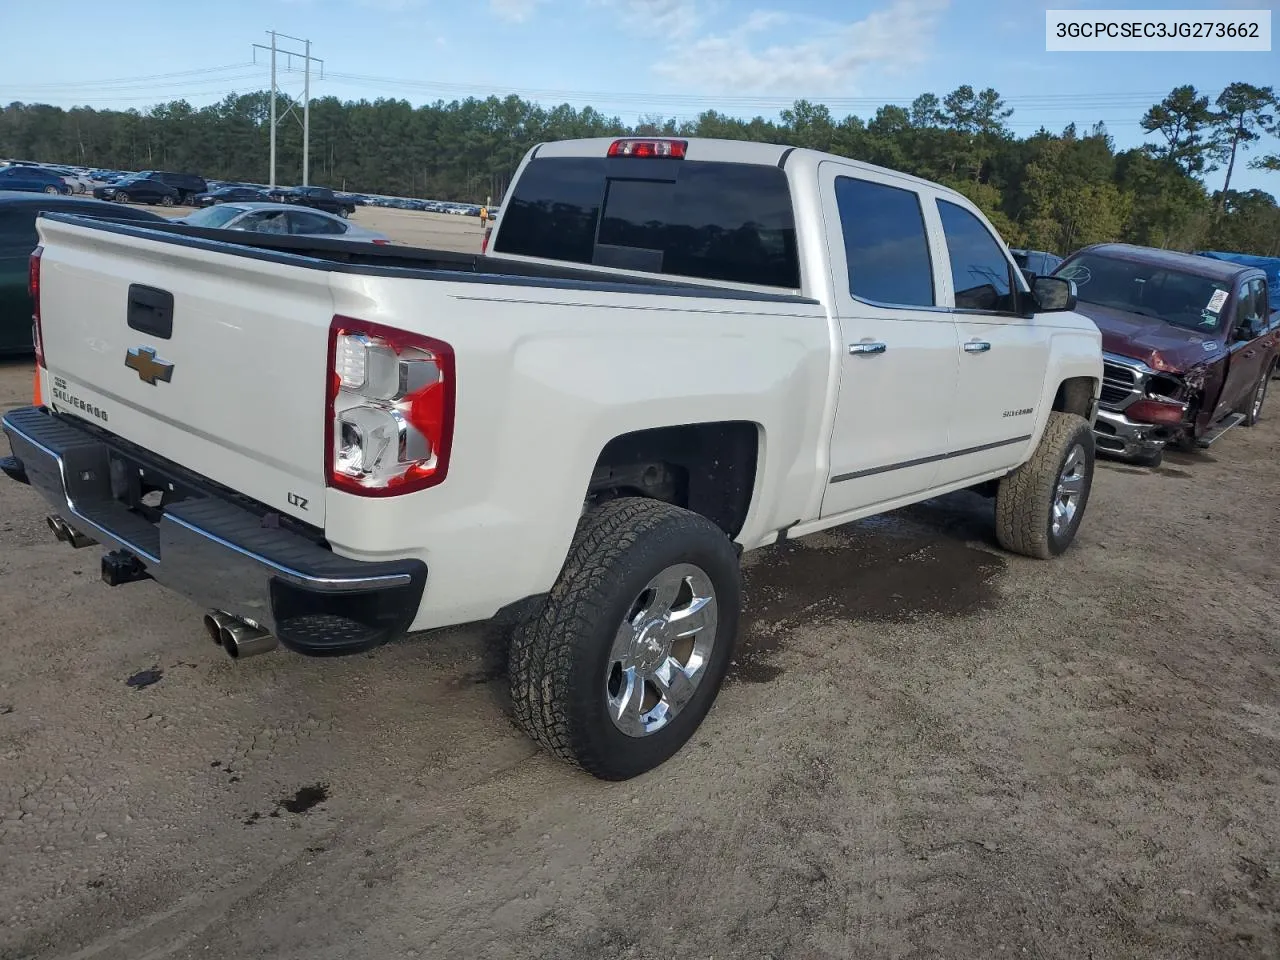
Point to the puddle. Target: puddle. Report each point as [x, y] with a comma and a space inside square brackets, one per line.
[306, 798]
[891, 569]
[144, 678]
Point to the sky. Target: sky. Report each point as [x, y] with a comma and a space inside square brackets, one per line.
[625, 57]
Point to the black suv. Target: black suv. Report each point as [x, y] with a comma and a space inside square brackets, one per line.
[321, 198]
[187, 184]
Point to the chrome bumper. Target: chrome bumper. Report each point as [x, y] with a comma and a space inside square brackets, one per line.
[212, 549]
[1117, 435]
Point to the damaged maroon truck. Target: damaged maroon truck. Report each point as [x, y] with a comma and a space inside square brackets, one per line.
[1189, 346]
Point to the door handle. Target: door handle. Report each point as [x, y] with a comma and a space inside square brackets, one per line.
[977, 346]
[867, 348]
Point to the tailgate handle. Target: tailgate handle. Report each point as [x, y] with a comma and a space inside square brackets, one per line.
[151, 311]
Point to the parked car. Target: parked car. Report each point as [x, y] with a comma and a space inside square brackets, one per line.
[1037, 262]
[32, 179]
[1190, 347]
[18, 212]
[678, 350]
[319, 198]
[229, 195]
[139, 189]
[280, 218]
[188, 185]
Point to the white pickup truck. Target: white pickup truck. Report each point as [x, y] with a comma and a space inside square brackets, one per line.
[671, 351]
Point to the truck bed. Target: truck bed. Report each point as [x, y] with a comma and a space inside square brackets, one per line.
[356, 257]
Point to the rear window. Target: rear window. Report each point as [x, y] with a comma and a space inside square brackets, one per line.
[714, 221]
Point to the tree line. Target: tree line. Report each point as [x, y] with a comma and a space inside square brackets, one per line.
[1050, 191]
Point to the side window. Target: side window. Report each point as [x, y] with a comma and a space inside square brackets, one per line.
[312, 224]
[885, 244]
[980, 273]
[270, 221]
[1249, 311]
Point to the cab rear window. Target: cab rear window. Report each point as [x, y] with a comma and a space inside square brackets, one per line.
[713, 221]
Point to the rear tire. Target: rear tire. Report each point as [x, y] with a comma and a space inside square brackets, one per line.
[587, 669]
[52, 189]
[1040, 505]
[122, 197]
[166, 201]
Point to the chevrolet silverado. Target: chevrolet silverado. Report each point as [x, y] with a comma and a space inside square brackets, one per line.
[672, 351]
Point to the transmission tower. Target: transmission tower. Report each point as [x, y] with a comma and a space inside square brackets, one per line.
[307, 59]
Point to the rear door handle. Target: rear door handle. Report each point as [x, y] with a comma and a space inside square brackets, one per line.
[867, 348]
[977, 346]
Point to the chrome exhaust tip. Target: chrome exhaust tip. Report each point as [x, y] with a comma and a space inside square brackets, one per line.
[241, 640]
[214, 622]
[67, 533]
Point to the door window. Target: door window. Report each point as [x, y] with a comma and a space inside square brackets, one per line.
[980, 272]
[885, 244]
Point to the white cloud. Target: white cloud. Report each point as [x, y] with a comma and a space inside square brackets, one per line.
[513, 11]
[675, 19]
[817, 57]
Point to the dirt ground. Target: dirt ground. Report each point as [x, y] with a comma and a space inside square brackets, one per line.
[927, 748]
[438, 231]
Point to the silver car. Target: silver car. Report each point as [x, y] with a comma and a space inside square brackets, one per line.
[280, 218]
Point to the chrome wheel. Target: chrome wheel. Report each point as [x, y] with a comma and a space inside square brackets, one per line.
[1071, 484]
[661, 650]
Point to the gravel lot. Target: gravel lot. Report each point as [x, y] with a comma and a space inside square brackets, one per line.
[927, 748]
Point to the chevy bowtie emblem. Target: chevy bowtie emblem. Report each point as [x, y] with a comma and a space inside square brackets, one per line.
[150, 367]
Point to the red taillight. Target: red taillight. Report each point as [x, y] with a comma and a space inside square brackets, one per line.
[33, 288]
[389, 415]
[380, 241]
[1156, 411]
[673, 149]
[484, 244]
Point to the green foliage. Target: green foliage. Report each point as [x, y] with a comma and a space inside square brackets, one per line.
[1048, 191]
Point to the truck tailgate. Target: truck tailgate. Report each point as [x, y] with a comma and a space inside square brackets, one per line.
[235, 391]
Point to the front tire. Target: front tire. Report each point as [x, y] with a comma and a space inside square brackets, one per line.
[166, 201]
[122, 197]
[51, 189]
[623, 661]
[1253, 406]
[1040, 505]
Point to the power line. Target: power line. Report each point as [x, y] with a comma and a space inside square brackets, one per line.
[134, 81]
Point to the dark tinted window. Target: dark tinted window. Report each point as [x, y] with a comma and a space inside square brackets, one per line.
[716, 221]
[979, 271]
[313, 223]
[885, 243]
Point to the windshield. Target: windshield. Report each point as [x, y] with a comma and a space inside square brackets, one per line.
[213, 216]
[1182, 299]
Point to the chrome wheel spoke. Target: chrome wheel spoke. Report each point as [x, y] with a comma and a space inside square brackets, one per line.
[666, 589]
[626, 707]
[622, 642]
[692, 619]
[673, 684]
[1071, 486]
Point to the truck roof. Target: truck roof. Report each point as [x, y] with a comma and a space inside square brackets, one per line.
[1173, 259]
[729, 151]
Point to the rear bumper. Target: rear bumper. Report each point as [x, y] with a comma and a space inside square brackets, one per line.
[210, 546]
[1117, 435]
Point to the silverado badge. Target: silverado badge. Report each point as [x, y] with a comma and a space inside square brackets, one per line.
[150, 368]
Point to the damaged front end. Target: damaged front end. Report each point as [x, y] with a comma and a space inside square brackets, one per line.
[1142, 409]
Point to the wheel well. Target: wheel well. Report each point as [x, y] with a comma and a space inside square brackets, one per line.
[709, 468]
[1075, 396]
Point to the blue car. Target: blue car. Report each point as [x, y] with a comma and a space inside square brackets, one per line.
[32, 179]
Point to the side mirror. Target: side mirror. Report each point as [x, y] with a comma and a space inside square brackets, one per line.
[1054, 294]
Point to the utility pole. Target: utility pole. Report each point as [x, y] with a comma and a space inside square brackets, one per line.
[273, 109]
[276, 117]
[306, 119]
